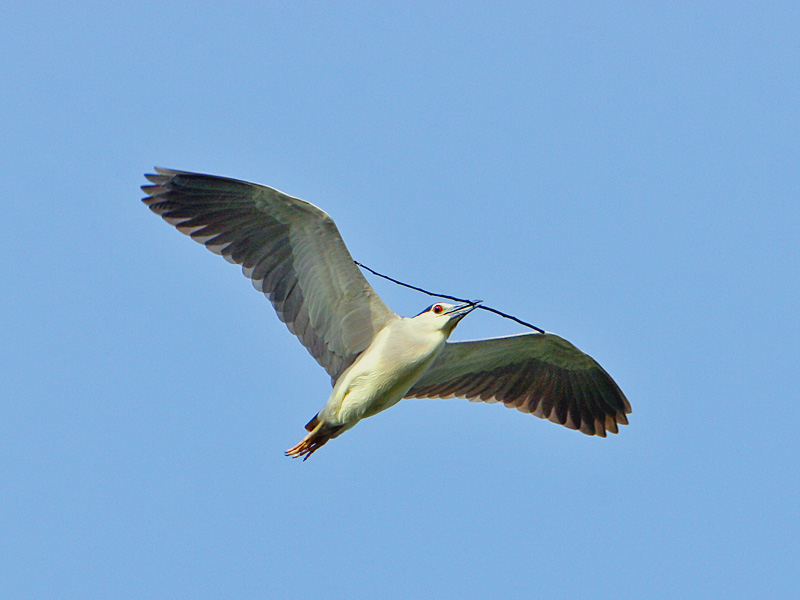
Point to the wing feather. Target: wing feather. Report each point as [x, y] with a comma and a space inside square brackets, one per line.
[290, 249]
[542, 374]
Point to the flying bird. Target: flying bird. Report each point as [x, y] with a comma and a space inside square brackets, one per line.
[293, 253]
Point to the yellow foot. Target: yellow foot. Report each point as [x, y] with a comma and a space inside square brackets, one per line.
[312, 442]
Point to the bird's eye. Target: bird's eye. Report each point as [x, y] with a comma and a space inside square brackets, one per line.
[437, 309]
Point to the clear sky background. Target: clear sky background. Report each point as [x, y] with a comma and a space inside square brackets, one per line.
[624, 174]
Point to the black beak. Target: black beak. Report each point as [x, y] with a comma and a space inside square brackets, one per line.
[459, 311]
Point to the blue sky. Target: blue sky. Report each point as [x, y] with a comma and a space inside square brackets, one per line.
[623, 174]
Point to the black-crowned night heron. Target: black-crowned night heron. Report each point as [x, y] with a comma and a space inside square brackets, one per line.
[294, 254]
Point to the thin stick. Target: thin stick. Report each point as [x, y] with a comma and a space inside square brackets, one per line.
[484, 307]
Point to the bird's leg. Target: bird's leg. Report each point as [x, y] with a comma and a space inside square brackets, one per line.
[316, 438]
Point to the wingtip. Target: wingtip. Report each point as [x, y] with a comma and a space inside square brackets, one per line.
[163, 171]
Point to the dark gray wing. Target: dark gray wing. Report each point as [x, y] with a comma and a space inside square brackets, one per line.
[290, 249]
[541, 374]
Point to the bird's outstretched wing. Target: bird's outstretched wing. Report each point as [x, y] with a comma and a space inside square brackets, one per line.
[289, 248]
[541, 374]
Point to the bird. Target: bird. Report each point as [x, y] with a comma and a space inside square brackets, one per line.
[293, 253]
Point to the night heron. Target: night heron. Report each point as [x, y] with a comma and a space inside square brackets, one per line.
[294, 254]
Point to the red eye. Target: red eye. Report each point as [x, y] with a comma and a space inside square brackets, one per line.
[438, 309]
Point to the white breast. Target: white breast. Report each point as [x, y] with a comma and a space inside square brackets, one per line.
[383, 373]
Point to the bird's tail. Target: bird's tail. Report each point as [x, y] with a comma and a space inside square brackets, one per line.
[319, 434]
[312, 423]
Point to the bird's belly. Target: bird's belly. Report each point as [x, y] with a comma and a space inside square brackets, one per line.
[368, 389]
[369, 394]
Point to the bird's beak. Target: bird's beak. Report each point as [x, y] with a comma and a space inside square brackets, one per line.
[459, 311]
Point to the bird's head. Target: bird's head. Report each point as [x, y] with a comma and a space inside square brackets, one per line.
[444, 317]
